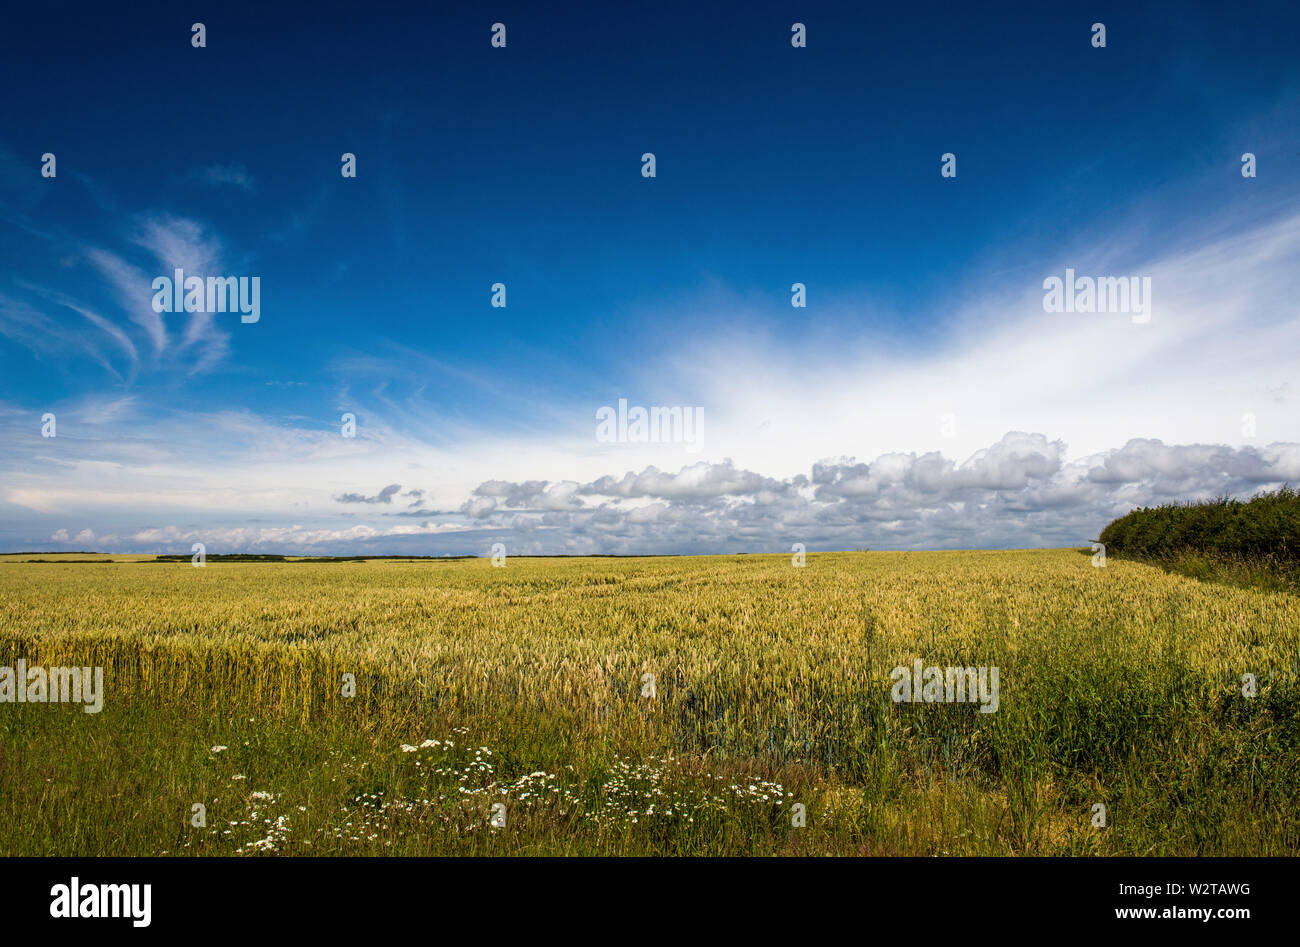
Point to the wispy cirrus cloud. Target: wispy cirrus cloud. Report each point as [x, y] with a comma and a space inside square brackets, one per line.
[224, 175]
[147, 246]
[134, 295]
[185, 244]
[40, 332]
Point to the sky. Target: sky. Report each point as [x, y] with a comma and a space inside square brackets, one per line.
[924, 397]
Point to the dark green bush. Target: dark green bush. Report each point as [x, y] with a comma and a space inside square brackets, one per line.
[1266, 527]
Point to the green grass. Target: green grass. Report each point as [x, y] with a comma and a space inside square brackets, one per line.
[1119, 686]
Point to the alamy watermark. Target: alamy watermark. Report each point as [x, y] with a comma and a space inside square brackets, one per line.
[75, 899]
[653, 425]
[930, 685]
[181, 293]
[59, 685]
[1128, 294]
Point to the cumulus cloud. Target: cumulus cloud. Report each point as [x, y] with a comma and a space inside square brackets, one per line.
[1177, 467]
[84, 537]
[532, 494]
[1020, 491]
[384, 496]
[478, 507]
[1011, 464]
[697, 482]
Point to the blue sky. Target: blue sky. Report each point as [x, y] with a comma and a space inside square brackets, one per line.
[521, 165]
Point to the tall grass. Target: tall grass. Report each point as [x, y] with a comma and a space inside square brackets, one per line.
[1119, 686]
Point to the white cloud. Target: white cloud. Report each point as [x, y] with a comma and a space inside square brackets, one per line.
[1150, 412]
[1017, 492]
[224, 175]
[134, 295]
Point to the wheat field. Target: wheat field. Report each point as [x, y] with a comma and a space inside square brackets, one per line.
[684, 705]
